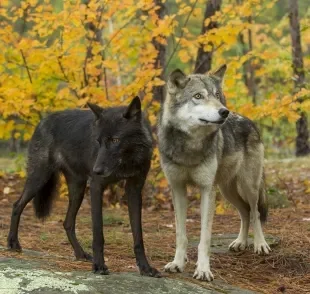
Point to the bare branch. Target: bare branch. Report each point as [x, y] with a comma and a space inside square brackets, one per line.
[66, 77]
[118, 31]
[26, 65]
[181, 36]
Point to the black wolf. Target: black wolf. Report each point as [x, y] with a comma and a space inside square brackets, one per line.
[104, 145]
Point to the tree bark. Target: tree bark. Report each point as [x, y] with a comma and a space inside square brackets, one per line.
[302, 138]
[248, 68]
[159, 91]
[96, 38]
[251, 80]
[204, 59]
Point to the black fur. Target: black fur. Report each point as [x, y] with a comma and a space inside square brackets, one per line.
[105, 145]
[43, 200]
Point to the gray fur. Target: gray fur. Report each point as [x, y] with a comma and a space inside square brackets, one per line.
[200, 145]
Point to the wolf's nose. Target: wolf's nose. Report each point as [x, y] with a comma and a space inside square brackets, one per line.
[223, 112]
[98, 170]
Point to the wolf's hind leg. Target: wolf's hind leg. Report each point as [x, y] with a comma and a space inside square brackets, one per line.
[36, 180]
[251, 193]
[76, 194]
[229, 191]
[179, 198]
[18, 207]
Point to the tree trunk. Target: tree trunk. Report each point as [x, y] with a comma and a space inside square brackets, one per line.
[204, 59]
[248, 68]
[251, 80]
[96, 38]
[302, 143]
[159, 91]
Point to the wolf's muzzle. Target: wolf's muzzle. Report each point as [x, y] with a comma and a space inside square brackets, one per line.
[219, 122]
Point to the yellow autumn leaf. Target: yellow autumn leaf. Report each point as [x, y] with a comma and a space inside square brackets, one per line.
[183, 54]
[220, 209]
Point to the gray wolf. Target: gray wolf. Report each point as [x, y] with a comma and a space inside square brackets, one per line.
[202, 143]
[104, 145]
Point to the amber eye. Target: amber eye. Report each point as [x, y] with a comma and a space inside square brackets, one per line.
[217, 94]
[115, 140]
[198, 96]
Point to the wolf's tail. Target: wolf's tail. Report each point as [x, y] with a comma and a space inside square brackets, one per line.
[43, 199]
[263, 201]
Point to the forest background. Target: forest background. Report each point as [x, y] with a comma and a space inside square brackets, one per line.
[61, 54]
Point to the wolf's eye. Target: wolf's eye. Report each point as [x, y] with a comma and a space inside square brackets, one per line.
[115, 140]
[198, 96]
[217, 94]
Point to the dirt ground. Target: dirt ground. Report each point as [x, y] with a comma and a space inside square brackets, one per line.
[286, 269]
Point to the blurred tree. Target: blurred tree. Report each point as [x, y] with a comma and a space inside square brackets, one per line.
[248, 68]
[204, 57]
[94, 36]
[71, 52]
[302, 139]
[160, 45]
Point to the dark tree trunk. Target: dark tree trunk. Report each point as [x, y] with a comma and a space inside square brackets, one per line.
[248, 68]
[245, 64]
[13, 143]
[96, 38]
[204, 59]
[302, 143]
[251, 80]
[160, 62]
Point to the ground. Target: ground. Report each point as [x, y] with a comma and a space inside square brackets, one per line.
[286, 269]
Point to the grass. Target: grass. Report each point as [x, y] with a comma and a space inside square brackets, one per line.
[112, 219]
[7, 165]
[43, 237]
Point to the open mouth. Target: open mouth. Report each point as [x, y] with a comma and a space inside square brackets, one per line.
[219, 122]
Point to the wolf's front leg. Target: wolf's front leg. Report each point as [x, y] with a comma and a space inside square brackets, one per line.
[179, 198]
[133, 190]
[96, 190]
[207, 207]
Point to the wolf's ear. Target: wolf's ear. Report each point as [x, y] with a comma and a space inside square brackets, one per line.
[177, 80]
[219, 73]
[96, 109]
[134, 108]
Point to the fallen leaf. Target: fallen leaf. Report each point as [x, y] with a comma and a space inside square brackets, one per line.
[6, 190]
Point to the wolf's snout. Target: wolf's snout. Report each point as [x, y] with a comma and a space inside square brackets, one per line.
[223, 112]
[98, 170]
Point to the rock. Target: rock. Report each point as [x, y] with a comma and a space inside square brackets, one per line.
[21, 276]
[220, 242]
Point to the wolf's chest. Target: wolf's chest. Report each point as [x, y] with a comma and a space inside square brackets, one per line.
[199, 175]
[187, 152]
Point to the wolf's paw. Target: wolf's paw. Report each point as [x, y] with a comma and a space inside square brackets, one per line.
[174, 267]
[149, 271]
[100, 269]
[13, 244]
[203, 274]
[238, 245]
[261, 247]
[84, 256]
